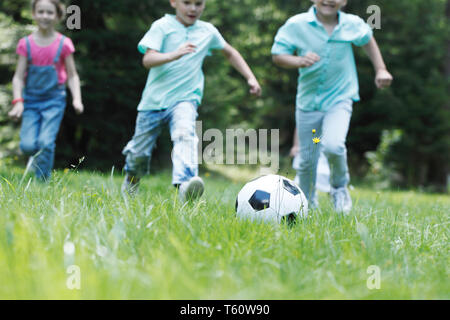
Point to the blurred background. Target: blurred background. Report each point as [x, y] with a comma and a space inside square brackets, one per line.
[399, 137]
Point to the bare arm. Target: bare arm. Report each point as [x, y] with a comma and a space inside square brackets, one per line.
[383, 78]
[153, 58]
[289, 61]
[238, 62]
[18, 83]
[73, 82]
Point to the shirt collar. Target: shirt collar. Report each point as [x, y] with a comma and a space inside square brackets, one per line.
[311, 16]
[174, 19]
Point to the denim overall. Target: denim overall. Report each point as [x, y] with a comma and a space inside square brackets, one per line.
[45, 102]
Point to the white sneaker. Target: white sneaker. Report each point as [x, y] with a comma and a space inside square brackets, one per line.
[130, 186]
[192, 189]
[341, 200]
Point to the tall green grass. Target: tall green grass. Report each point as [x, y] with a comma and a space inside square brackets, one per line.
[153, 247]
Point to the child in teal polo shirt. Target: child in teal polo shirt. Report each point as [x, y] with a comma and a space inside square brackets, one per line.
[319, 44]
[174, 49]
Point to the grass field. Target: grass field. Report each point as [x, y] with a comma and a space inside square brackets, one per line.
[155, 248]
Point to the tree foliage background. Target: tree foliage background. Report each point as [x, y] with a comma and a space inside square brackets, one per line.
[414, 39]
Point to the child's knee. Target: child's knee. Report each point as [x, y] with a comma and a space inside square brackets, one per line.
[29, 148]
[333, 148]
[305, 165]
[45, 144]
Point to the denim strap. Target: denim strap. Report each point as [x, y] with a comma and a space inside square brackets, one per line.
[58, 53]
[28, 49]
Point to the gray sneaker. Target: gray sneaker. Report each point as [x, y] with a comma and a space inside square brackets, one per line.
[130, 185]
[192, 189]
[341, 200]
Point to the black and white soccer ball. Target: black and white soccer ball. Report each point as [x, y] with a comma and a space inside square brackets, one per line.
[271, 198]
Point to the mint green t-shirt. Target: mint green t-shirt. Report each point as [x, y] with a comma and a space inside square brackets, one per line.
[334, 78]
[181, 79]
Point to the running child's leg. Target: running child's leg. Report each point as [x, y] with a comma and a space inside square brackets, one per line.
[309, 151]
[52, 116]
[185, 141]
[138, 151]
[29, 131]
[335, 128]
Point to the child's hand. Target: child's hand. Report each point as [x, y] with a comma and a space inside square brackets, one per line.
[16, 111]
[294, 151]
[308, 60]
[184, 49]
[383, 79]
[255, 88]
[78, 106]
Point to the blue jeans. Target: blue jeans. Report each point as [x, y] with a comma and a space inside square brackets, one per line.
[40, 126]
[332, 127]
[181, 118]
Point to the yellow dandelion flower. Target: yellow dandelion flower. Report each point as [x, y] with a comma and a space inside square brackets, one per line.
[313, 130]
[66, 170]
[316, 140]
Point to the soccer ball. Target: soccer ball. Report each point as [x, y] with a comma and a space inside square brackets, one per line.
[271, 198]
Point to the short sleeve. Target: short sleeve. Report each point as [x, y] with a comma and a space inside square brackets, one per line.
[283, 43]
[153, 39]
[22, 47]
[363, 32]
[217, 42]
[68, 48]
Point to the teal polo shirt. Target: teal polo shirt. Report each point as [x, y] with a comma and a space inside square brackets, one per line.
[334, 77]
[181, 79]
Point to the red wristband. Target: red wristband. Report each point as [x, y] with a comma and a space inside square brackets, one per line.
[17, 100]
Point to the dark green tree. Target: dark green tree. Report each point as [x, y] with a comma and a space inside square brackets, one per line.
[413, 39]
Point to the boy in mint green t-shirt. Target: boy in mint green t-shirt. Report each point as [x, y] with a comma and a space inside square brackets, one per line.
[174, 49]
[319, 44]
